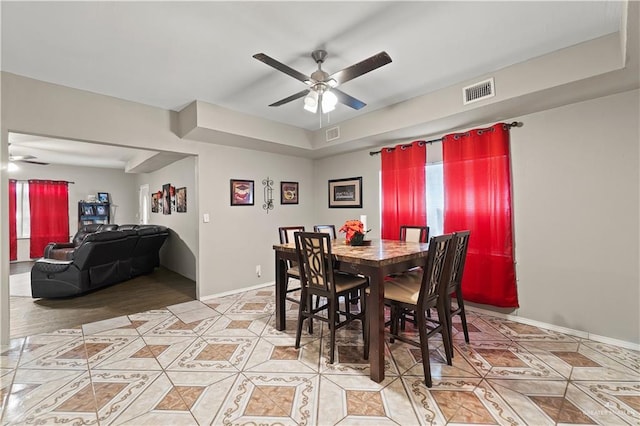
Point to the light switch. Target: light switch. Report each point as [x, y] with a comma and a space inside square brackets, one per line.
[205, 218]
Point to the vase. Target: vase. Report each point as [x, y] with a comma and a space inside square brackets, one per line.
[357, 239]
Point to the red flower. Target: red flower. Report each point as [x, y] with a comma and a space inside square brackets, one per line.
[352, 227]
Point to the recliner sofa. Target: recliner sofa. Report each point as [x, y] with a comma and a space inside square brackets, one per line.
[103, 256]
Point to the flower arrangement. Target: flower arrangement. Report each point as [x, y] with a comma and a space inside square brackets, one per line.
[354, 232]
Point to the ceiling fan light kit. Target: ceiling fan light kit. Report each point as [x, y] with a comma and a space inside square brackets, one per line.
[322, 85]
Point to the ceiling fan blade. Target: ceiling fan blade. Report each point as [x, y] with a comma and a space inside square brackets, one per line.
[291, 98]
[282, 67]
[348, 100]
[39, 163]
[363, 67]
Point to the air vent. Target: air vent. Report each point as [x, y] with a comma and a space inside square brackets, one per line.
[478, 91]
[333, 134]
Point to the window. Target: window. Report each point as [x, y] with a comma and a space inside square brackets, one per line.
[435, 199]
[23, 215]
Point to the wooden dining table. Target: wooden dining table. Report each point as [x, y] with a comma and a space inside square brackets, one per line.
[376, 261]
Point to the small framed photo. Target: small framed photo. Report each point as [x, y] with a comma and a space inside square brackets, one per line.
[288, 192]
[101, 210]
[88, 210]
[345, 193]
[181, 197]
[154, 203]
[103, 197]
[241, 192]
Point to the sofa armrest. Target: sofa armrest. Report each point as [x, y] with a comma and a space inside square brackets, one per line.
[53, 246]
[52, 266]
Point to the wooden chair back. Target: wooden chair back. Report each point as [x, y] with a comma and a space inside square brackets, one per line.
[458, 256]
[329, 229]
[286, 233]
[315, 260]
[434, 272]
[414, 234]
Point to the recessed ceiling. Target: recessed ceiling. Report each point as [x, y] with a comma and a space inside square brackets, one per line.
[168, 54]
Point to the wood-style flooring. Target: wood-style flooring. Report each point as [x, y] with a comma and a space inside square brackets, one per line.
[154, 291]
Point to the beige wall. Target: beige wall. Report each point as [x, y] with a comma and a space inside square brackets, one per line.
[554, 146]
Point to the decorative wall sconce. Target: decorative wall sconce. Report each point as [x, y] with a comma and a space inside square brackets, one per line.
[268, 194]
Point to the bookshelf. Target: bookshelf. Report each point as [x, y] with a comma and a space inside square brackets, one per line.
[93, 212]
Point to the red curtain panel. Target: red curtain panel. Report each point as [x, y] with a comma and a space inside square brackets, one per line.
[13, 236]
[49, 202]
[477, 193]
[403, 188]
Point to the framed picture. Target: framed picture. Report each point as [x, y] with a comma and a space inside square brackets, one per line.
[288, 192]
[166, 198]
[101, 210]
[103, 197]
[88, 210]
[241, 192]
[181, 196]
[154, 202]
[345, 193]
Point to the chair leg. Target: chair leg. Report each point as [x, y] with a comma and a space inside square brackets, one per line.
[424, 346]
[393, 327]
[332, 328]
[463, 317]
[301, 307]
[445, 330]
[365, 325]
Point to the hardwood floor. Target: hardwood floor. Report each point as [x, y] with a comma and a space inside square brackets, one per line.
[154, 291]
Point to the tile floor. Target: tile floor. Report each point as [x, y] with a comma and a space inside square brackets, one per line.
[223, 362]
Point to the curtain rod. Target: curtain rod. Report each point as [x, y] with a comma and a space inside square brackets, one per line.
[27, 180]
[512, 124]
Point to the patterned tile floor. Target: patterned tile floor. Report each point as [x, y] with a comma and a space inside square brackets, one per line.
[223, 362]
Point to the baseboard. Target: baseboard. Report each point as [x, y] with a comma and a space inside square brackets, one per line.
[559, 329]
[510, 317]
[241, 290]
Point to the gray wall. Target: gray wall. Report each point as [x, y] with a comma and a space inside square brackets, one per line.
[553, 146]
[576, 218]
[180, 250]
[88, 180]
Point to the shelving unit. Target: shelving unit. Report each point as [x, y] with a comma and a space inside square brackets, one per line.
[93, 212]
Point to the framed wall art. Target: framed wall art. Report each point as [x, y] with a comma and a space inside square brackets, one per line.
[288, 192]
[345, 193]
[241, 192]
[154, 203]
[181, 196]
[103, 197]
[166, 198]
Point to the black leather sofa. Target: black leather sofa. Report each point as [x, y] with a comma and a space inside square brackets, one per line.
[104, 255]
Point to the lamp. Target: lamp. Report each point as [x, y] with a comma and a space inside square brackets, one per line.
[311, 101]
[329, 101]
[320, 93]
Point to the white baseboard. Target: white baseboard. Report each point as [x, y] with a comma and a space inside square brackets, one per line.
[559, 329]
[510, 317]
[240, 290]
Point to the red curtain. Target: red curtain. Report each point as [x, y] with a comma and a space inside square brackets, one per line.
[403, 188]
[13, 236]
[49, 202]
[477, 193]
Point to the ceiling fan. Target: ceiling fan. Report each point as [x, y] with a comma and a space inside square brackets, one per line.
[26, 159]
[322, 86]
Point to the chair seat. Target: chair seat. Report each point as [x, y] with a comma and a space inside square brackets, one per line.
[294, 271]
[346, 282]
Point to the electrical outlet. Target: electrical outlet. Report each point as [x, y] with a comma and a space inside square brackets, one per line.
[258, 270]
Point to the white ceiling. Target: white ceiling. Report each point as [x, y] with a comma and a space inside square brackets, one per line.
[168, 54]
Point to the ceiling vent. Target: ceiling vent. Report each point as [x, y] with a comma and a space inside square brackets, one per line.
[333, 134]
[478, 91]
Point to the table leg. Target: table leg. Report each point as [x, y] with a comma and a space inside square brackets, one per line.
[375, 313]
[281, 292]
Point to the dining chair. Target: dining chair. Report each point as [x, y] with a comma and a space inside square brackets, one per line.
[456, 259]
[419, 291]
[329, 229]
[415, 234]
[287, 236]
[319, 279]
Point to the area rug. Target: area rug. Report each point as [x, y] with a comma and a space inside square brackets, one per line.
[20, 285]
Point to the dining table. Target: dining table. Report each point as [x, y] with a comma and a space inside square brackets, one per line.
[376, 261]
